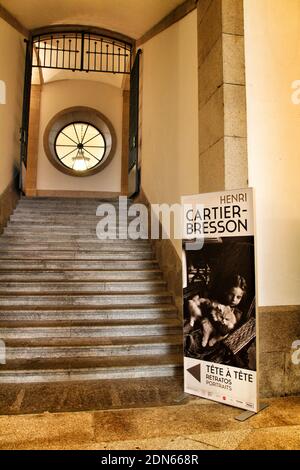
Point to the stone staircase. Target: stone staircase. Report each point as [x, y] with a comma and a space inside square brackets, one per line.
[73, 307]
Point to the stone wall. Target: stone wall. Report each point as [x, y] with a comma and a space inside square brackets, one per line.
[279, 328]
[222, 95]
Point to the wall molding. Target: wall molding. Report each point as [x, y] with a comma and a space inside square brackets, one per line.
[13, 22]
[176, 15]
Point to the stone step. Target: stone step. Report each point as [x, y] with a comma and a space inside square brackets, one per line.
[73, 241]
[72, 214]
[82, 287]
[60, 229]
[115, 367]
[65, 219]
[82, 208]
[93, 246]
[63, 238]
[88, 329]
[72, 201]
[91, 207]
[19, 217]
[60, 236]
[91, 347]
[67, 200]
[73, 246]
[75, 307]
[27, 225]
[84, 300]
[67, 206]
[74, 255]
[39, 265]
[151, 312]
[81, 211]
[83, 228]
[73, 275]
[23, 225]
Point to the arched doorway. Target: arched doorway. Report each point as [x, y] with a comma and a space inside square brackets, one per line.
[86, 51]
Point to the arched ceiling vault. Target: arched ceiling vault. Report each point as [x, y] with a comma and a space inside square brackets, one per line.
[132, 18]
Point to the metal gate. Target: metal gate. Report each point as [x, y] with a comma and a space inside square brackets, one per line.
[82, 51]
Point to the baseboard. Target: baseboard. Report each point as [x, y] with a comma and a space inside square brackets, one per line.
[8, 202]
[73, 194]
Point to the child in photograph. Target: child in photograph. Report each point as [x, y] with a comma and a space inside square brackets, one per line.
[214, 320]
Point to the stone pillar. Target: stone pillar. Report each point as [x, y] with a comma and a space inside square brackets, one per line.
[33, 140]
[222, 95]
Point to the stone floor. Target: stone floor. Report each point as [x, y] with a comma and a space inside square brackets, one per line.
[192, 424]
[35, 398]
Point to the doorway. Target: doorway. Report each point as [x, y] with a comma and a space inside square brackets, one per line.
[101, 60]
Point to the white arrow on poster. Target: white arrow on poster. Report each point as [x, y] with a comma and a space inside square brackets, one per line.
[219, 291]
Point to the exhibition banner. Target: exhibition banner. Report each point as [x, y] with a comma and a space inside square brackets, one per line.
[219, 292]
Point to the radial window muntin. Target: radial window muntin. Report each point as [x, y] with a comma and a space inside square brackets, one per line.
[80, 146]
[81, 115]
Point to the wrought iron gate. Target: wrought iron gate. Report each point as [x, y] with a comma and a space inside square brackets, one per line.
[82, 51]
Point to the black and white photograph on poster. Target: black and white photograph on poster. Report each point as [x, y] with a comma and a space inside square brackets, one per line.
[219, 298]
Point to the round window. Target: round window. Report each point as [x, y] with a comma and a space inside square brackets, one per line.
[79, 141]
[80, 146]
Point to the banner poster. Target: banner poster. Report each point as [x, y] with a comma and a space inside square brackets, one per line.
[220, 359]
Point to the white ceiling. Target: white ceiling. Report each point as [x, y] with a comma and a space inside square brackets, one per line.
[130, 17]
[53, 75]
